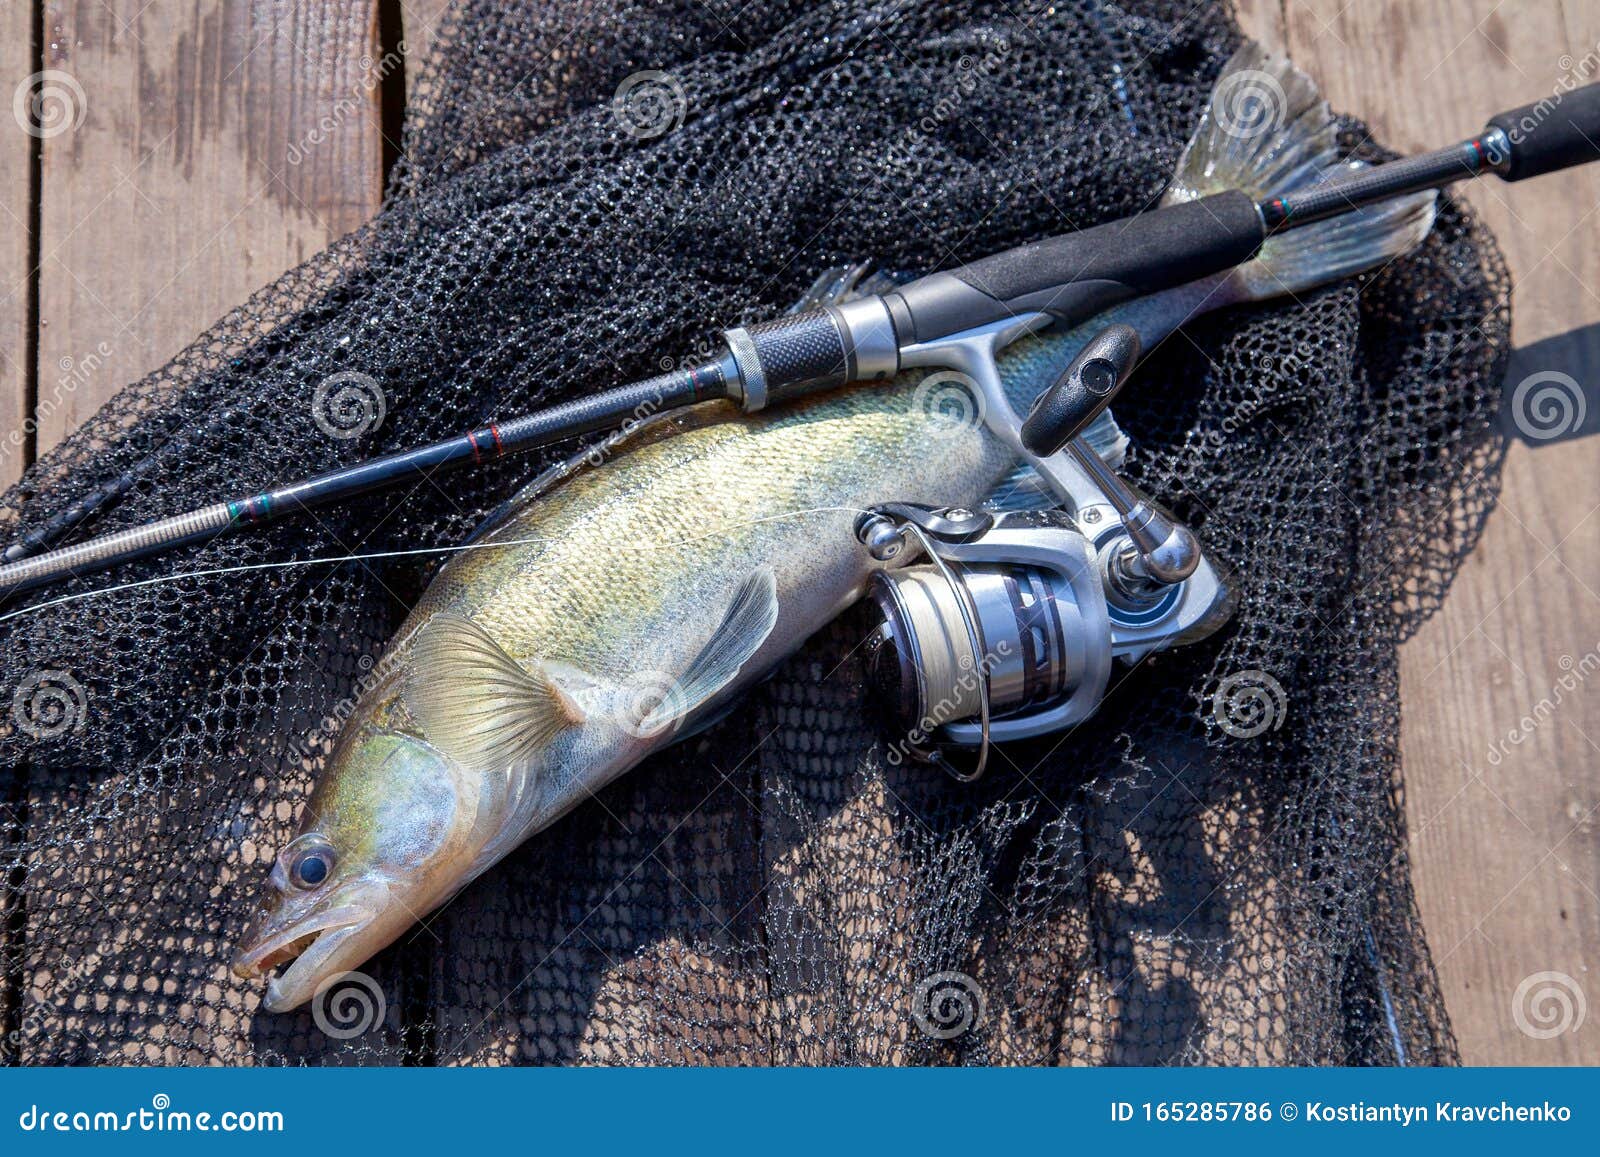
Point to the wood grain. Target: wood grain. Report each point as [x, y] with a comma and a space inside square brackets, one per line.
[420, 20]
[1264, 20]
[1504, 837]
[16, 148]
[179, 194]
[223, 144]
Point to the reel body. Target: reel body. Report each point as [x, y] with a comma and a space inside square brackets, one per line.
[999, 627]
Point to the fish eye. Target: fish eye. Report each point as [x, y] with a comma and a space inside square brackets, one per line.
[311, 867]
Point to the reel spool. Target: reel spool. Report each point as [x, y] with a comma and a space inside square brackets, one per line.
[937, 658]
[1001, 633]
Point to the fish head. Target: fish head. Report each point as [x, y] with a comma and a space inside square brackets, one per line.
[381, 845]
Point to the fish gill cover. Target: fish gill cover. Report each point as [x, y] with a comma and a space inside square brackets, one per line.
[1213, 871]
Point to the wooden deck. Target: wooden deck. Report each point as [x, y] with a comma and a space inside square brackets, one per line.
[126, 236]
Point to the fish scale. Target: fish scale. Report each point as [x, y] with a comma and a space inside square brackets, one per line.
[678, 523]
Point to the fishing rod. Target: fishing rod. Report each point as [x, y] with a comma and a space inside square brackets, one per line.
[938, 320]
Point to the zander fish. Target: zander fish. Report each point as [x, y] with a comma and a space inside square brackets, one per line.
[521, 683]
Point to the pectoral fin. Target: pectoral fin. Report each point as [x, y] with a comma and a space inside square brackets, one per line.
[746, 625]
[476, 703]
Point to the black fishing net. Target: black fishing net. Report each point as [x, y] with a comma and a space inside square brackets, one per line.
[1152, 888]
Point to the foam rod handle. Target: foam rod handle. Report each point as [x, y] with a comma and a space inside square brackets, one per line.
[1076, 275]
[1555, 133]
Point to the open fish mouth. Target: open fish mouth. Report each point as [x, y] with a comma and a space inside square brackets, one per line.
[309, 943]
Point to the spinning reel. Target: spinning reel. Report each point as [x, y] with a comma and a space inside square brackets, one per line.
[992, 627]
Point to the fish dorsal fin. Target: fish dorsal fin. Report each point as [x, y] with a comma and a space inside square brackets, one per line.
[841, 283]
[639, 434]
[833, 286]
[749, 620]
[476, 703]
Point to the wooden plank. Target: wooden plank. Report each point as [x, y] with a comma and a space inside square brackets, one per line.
[1265, 21]
[420, 26]
[16, 148]
[1506, 846]
[420, 20]
[223, 144]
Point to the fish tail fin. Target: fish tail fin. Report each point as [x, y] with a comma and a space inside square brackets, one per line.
[1267, 131]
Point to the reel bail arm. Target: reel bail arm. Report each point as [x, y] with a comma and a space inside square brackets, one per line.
[1004, 627]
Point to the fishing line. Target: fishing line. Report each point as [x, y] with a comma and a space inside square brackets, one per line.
[221, 570]
[728, 528]
[333, 560]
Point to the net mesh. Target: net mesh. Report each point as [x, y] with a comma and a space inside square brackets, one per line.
[1153, 888]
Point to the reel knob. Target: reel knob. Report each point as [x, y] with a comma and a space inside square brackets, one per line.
[882, 537]
[1084, 388]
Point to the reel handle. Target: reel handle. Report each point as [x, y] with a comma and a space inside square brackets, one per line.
[1166, 551]
[1084, 388]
